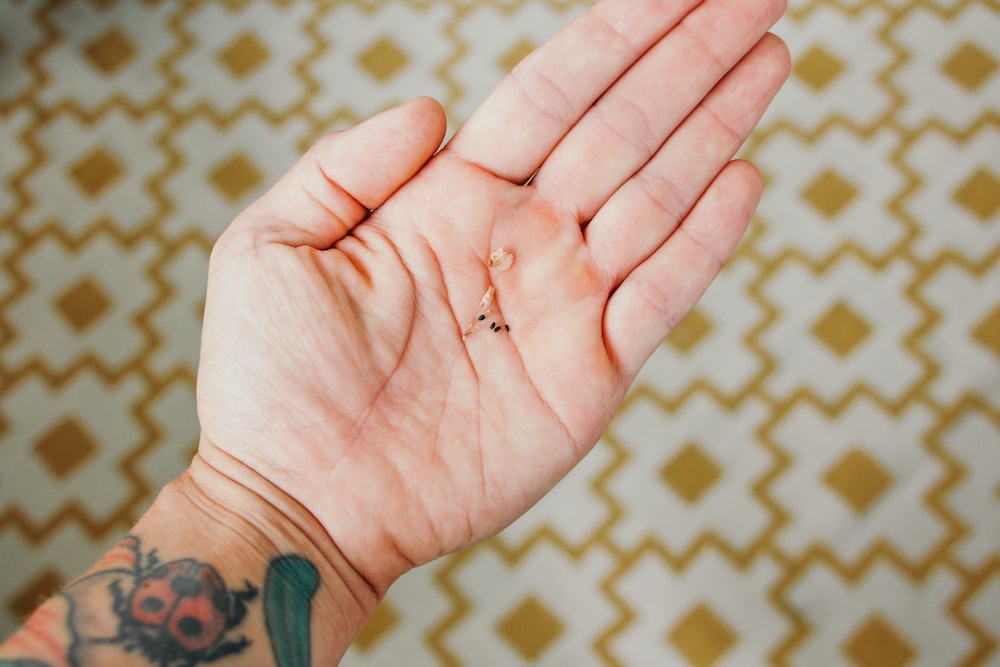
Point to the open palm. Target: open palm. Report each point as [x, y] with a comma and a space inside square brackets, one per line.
[334, 363]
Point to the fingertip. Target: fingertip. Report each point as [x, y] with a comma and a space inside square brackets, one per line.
[779, 54]
[431, 111]
[750, 175]
[779, 8]
[424, 115]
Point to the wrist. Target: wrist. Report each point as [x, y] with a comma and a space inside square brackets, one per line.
[253, 532]
[221, 564]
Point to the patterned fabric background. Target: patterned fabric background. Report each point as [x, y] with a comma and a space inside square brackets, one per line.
[806, 473]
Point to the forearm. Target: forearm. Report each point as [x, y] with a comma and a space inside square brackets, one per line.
[218, 570]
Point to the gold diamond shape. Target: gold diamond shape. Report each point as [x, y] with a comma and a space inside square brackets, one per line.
[690, 473]
[516, 54]
[691, 330]
[236, 176]
[110, 52]
[702, 637]
[987, 332]
[96, 171]
[83, 304]
[530, 628]
[878, 644]
[858, 479]
[969, 66]
[841, 329]
[980, 195]
[818, 68]
[382, 622]
[383, 59]
[65, 447]
[829, 193]
[40, 588]
[243, 55]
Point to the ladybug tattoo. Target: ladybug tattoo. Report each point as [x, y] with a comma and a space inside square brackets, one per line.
[179, 613]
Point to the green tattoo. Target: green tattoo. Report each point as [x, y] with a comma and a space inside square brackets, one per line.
[22, 662]
[288, 591]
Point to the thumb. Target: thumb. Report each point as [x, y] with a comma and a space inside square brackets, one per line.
[345, 175]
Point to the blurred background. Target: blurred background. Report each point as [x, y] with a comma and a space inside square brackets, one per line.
[806, 473]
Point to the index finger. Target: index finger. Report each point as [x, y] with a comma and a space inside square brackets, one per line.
[517, 126]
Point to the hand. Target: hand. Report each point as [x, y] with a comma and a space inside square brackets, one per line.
[333, 361]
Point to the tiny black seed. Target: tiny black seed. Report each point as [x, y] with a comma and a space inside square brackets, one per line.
[492, 325]
[482, 317]
[498, 329]
[507, 327]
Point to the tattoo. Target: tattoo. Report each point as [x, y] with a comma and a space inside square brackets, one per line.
[178, 614]
[174, 614]
[288, 591]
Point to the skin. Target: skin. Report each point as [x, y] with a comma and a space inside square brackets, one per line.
[333, 363]
[344, 418]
